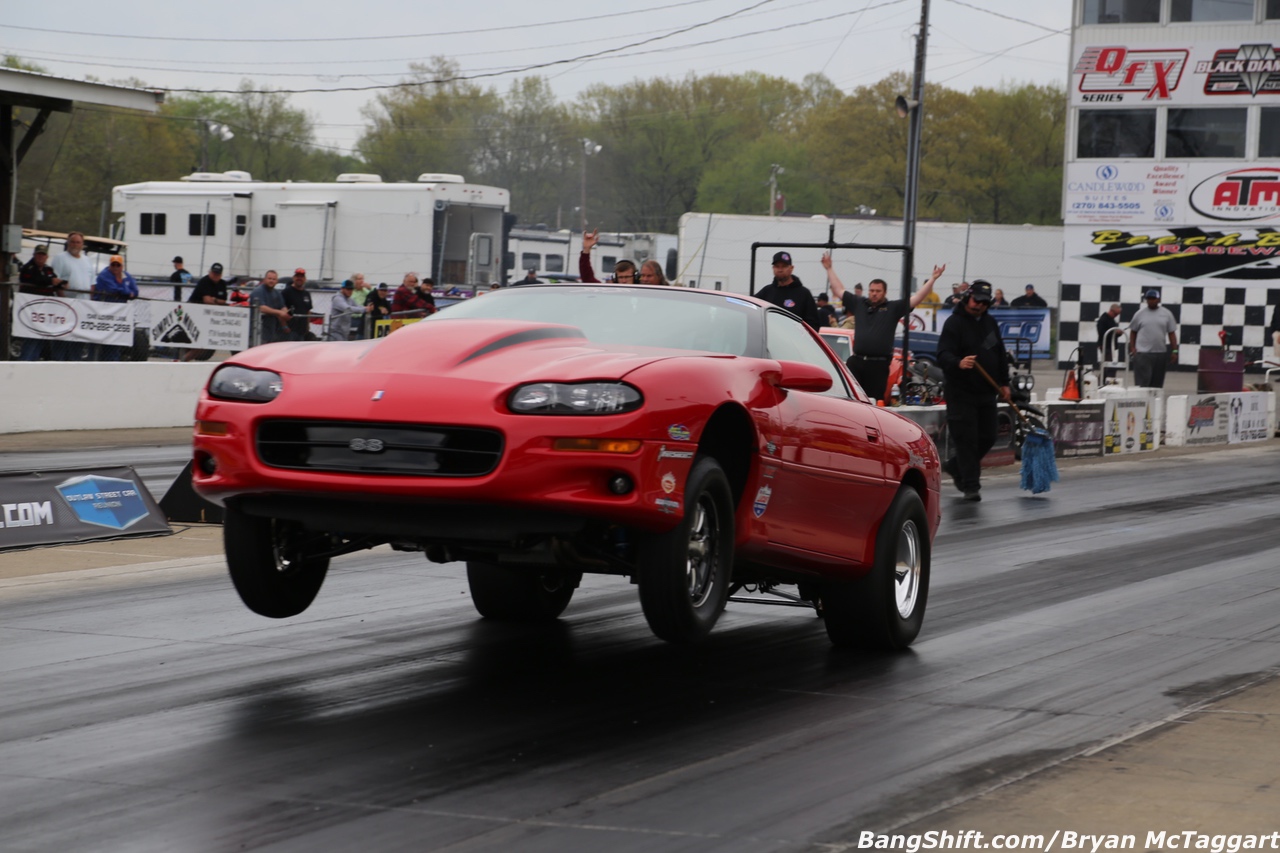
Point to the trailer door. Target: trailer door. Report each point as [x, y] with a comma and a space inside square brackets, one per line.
[305, 233]
[482, 260]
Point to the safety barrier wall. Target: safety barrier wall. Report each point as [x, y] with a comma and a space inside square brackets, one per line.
[1207, 419]
[54, 395]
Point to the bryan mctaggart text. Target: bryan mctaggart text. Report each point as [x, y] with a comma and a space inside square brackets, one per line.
[1156, 840]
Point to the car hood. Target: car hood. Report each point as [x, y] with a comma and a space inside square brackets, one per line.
[506, 351]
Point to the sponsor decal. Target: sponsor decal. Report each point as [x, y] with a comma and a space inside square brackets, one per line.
[1108, 73]
[668, 506]
[104, 501]
[788, 303]
[663, 453]
[377, 395]
[26, 514]
[1202, 414]
[48, 318]
[761, 503]
[770, 447]
[678, 432]
[1250, 69]
[1239, 195]
[176, 327]
[1187, 253]
[668, 482]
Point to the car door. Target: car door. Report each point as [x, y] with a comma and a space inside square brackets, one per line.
[828, 491]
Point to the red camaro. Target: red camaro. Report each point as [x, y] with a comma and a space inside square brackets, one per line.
[696, 442]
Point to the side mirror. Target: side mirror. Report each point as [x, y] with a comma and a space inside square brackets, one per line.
[800, 376]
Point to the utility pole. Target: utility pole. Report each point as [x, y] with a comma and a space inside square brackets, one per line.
[588, 148]
[774, 171]
[914, 110]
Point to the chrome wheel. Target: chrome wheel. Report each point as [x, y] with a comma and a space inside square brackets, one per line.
[908, 569]
[703, 556]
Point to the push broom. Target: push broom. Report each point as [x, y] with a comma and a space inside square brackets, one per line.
[1039, 467]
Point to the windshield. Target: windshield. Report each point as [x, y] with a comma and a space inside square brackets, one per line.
[613, 314]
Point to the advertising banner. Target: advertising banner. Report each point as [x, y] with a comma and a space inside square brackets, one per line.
[1247, 417]
[1077, 429]
[195, 326]
[1031, 324]
[54, 507]
[1126, 254]
[1129, 426]
[53, 319]
[1207, 419]
[1213, 71]
[1219, 193]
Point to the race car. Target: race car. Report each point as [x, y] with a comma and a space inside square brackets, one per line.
[696, 442]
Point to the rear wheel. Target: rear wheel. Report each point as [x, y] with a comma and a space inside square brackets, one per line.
[521, 594]
[684, 574]
[885, 608]
[269, 563]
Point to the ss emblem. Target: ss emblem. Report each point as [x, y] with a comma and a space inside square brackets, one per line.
[366, 445]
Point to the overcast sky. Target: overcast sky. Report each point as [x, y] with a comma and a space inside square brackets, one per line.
[295, 45]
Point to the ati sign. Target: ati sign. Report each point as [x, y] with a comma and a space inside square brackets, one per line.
[1107, 74]
[1239, 195]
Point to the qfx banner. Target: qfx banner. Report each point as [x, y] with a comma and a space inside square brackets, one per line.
[1204, 72]
[1223, 194]
[195, 326]
[54, 319]
[1149, 254]
[55, 507]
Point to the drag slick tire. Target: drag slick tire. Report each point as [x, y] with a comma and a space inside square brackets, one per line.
[520, 594]
[884, 609]
[684, 574]
[268, 564]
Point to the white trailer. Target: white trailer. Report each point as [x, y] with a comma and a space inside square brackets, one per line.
[551, 253]
[715, 252]
[438, 226]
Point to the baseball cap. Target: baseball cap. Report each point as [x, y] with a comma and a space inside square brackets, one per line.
[382, 286]
[348, 285]
[980, 291]
[782, 258]
[1152, 294]
[216, 268]
[177, 259]
[116, 259]
[299, 271]
[1030, 287]
[42, 249]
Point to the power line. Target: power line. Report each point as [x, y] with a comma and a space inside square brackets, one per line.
[348, 39]
[1008, 17]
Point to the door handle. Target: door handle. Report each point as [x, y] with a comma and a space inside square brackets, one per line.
[873, 434]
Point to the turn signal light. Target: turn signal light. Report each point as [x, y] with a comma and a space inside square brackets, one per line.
[597, 445]
[211, 428]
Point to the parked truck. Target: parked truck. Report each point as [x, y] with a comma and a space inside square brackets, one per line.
[437, 226]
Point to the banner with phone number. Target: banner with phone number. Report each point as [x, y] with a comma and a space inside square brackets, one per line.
[51, 318]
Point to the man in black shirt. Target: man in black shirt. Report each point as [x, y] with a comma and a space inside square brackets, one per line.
[787, 292]
[298, 300]
[875, 320]
[1104, 324]
[971, 338]
[209, 290]
[1030, 299]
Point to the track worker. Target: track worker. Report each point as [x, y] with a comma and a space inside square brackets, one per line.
[875, 319]
[970, 339]
[787, 292]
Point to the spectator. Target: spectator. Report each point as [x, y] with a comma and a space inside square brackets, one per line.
[531, 276]
[876, 319]
[407, 301]
[341, 310]
[37, 278]
[180, 277]
[1030, 299]
[1149, 330]
[427, 290]
[114, 285]
[857, 289]
[73, 267]
[269, 303]
[651, 273]
[787, 291]
[1275, 330]
[826, 314]
[381, 309]
[998, 301]
[624, 271]
[1104, 324]
[956, 297]
[970, 338]
[210, 290]
[298, 300]
[361, 289]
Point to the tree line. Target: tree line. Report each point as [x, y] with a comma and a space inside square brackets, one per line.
[665, 146]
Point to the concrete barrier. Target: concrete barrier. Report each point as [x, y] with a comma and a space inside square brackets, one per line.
[60, 395]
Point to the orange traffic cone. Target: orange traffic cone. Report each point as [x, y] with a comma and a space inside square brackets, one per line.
[1071, 391]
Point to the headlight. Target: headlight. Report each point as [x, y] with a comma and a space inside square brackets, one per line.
[240, 383]
[585, 398]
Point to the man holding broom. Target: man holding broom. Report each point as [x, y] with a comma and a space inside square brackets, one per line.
[970, 344]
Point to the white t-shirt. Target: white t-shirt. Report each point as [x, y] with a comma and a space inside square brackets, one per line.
[77, 272]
